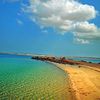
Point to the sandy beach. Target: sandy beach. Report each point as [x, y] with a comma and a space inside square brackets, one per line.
[84, 81]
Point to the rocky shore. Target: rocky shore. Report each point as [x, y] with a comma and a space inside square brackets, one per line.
[63, 60]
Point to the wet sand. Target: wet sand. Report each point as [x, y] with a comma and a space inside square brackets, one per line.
[84, 81]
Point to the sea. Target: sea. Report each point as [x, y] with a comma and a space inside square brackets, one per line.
[22, 78]
[87, 59]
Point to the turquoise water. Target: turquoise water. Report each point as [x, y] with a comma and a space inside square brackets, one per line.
[22, 78]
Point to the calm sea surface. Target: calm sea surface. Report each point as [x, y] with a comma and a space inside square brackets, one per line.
[93, 60]
[22, 78]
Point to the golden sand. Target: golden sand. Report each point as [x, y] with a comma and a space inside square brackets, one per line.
[84, 81]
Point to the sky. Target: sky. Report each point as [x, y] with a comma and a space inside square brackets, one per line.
[51, 27]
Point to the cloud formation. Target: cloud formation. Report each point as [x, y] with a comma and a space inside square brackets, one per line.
[66, 16]
[19, 22]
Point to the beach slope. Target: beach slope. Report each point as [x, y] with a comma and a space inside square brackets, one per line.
[84, 81]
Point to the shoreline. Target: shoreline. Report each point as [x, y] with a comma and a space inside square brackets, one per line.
[71, 89]
[84, 77]
[81, 81]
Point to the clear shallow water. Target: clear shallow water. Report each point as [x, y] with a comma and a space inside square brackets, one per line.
[25, 79]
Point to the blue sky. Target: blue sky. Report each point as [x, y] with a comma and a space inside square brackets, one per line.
[19, 33]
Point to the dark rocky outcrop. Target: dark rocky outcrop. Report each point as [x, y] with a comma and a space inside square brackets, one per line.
[62, 60]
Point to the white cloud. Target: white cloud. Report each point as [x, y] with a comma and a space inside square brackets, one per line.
[85, 30]
[19, 21]
[65, 16]
[82, 41]
[84, 27]
[45, 31]
[19, 14]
